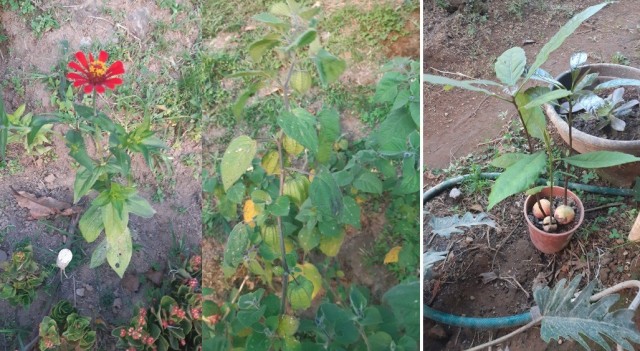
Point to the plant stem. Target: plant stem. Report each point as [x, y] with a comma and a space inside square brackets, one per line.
[524, 125]
[283, 251]
[285, 87]
[570, 122]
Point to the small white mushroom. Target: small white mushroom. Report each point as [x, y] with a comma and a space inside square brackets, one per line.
[64, 257]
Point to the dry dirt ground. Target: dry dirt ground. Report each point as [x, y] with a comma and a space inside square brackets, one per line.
[453, 44]
[460, 123]
[105, 297]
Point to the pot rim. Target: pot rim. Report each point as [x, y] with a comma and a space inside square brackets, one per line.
[571, 194]
[560, 123]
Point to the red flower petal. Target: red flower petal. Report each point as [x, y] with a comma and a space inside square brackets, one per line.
[103, 56]
[77, 67]
[100, 88]
[76, 77]
[88, 88]
[115, 69]
[82, 59]
[91, 58]
[78, 83]
[112, 82]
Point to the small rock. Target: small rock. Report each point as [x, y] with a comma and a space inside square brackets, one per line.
[155, 277]
[472, 298]
[3, 256]
[88, 287]
[49, 179]
[117, 304]
[80, 292]
[437, 333]
[139, 22]
[455, 193]
[468, 239]
[604, 274]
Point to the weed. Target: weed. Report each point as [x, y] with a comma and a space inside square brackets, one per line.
[614, 234]
[620, 59]
[517, 8]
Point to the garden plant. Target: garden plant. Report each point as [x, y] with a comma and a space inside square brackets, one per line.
[300, 191]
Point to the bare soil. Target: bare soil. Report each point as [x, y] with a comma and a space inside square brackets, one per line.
[462, 43]
[107, 299]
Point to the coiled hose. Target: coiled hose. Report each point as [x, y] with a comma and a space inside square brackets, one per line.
[506, 321]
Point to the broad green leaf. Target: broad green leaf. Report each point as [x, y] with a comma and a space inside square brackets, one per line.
[380, 341]
[99, 255]
[390, 138]
[368, 182]
[78, 149]
[559, 38]
[614, 83]
[139, 206]
[258, 342]
[510, 65]
[303, 39]
[330, 245]
[339, 322]
[91, 224]
[387, 87]
[410, 182]
[119, 244]
[300, 125]
[238, 106]
[404, 300]
[270, 20]
[237, 244]
[402, 99]
[237, 159]
[566, 316]
[308, 238]
[600, 159]
[85, 112]
[551, 96]
[517, 178]
[506, 160]
[533, 118]
[299, 293]
[329, 133]
[577, 59]
[309, 12]
[326, 195]
[351, 214]
[251, 73]
[280, 8]
[85, 179]
[258, 48]
[329, 67]
[280, 207]
[463, 84]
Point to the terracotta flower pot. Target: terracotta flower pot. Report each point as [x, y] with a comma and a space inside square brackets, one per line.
[623, 175]
[550, 243]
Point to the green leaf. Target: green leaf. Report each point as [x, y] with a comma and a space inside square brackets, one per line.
[237, 244]
[78, 149]
[559, 38]
[600, 159]
[614, 83]
[380, 341]
[303, 39]
[351, 214]
[404, 300]
[410, 182]
[308, 238]
[280, 207]
[37, 122]
[91, 224]
[329, 133]
[139, 206]
[270, 20]
[517, 178]
[339, 322]
[299, 293]
[567, 316]
[551, 96]
[259, 47]
[368, 182]
[463, 84]
[390, 138]
[280, 8]
[85, 179]
[119, 244]
[326, 195]
[238, 106]
[387, 87]
[510, 65]
[534, 119]
[445, 226]
[99, 255]
[329, 67]
[506, 160]
[237, 159]
[300, 125]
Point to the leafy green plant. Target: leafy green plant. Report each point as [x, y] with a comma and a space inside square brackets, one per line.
[175, 322]
[299, 193]
[608, 110]
[20, 277]
[64, 329]
[521, 170]
[19, 123]
[108, 170]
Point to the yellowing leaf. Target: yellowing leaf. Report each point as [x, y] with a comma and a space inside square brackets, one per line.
[249, 212]
[330, 246]
[309, 271]
[392, 255]
[270, 162]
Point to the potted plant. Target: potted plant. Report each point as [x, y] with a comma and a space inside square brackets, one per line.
[522, 170]
[605, 111]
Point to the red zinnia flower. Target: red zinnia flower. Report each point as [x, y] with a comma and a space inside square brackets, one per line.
[94, 74]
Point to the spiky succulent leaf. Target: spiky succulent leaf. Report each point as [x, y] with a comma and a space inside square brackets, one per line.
[576, 318]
